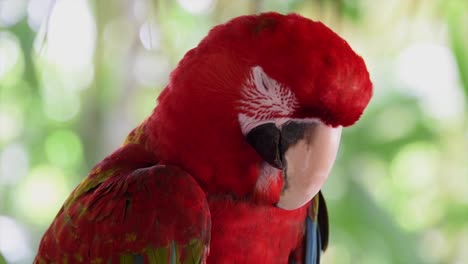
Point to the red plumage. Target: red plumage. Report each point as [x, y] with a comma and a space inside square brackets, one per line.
[188, 174]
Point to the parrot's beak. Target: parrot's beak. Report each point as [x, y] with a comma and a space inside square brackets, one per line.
[305, 151]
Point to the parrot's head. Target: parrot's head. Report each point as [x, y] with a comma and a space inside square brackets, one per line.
[261, 92]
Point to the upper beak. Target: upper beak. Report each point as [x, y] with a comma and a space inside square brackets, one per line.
[305, 151]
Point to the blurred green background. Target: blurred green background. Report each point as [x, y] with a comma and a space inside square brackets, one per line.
[76, 76]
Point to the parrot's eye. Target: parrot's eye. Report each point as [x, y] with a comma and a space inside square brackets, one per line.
[264, 100]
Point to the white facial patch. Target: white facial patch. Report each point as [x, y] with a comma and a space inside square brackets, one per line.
[268, 174]
[264, 100]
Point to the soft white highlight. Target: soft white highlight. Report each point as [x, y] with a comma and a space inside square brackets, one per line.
[268, 174]
[429, 72]
[263, 100]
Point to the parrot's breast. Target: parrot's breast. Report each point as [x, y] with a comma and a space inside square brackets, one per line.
[244, 232]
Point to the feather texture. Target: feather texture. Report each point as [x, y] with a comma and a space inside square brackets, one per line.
[184, 183]
[316, 239]
[125, 211]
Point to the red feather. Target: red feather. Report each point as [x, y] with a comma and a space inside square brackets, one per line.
[189, 164]
[128, 205]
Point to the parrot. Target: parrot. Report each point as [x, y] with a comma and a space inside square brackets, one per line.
[229, 165]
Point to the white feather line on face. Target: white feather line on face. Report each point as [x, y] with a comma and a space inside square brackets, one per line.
[264, 99]
[267, 175]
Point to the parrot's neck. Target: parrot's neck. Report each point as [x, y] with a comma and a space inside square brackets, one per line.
[219, 159]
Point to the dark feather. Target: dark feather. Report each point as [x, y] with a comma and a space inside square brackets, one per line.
[316, 230]
[323, 221]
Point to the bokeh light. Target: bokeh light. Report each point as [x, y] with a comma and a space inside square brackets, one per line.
[196, 7]
[14, 240]
[429, 71]
[10, 54]
[150, 35]
[71, 35]
[14, 163]
[40, 195]
[11, 11]
[63, 149]
[60, 104]
[38, 10]
[11, 121]
[150, 68]
[434, 246]
[414, 172]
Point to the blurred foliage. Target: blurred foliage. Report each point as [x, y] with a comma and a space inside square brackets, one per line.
[76, 76]
[2, 259]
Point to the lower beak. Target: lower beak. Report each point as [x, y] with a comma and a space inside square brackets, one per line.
[307, 162]
[305, 151]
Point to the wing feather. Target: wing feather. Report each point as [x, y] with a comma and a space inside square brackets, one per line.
[316, 230]
[316, 234]
[158, 213]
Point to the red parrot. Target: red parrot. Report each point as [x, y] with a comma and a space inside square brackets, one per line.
[228, 167]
